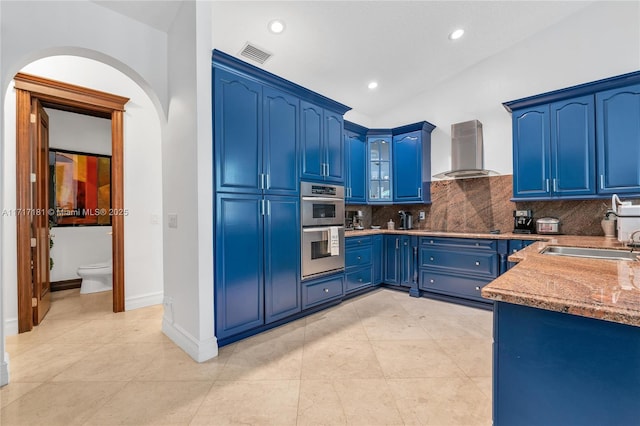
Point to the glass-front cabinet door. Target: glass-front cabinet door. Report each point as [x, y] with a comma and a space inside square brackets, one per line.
[379, 163]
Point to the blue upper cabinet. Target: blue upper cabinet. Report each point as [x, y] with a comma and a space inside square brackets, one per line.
[322, 147]
[581, 142]
[618, 124]
[355, 154]
[237, 133]
[412, 165]
[531, 152]
[281, 134]
[573, 145]
[554, 150]
[379, 166]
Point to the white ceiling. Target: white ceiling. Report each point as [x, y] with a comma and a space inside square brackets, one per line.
[337, 47]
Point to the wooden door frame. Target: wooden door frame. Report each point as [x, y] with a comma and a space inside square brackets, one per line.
[82, 100]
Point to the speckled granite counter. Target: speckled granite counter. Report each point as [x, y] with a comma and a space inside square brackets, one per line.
[424, 233]
[603, 289]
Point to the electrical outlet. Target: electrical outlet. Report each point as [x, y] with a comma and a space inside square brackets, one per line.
[173, 221]
[421, 216]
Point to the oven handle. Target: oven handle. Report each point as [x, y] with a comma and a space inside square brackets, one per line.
[321, 199]
[320, 229]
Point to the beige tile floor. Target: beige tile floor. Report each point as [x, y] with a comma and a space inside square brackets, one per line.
[383, 358]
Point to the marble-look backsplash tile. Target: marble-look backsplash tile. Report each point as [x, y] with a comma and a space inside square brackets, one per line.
[483, 204]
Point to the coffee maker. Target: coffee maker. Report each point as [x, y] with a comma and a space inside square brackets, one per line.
[406, 220]
[523, 222]
[354, 219]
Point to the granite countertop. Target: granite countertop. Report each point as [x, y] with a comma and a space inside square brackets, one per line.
[427, 233]
[603, 289]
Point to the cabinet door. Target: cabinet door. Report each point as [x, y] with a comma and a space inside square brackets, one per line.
[392, 259]
[377, 260]
[573, 147]
[355, 168]
[379, 170]
[407, 167]
[313, 154]
[280, 135]
[618, 135]
[333, 146]
[281, 266]
[239, 285]
[406, 263]
[237, 133]
[531, 159]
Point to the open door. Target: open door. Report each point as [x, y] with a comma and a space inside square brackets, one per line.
[39, 159]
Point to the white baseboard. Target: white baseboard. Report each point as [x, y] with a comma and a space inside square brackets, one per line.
[4, 370]
[200, 351]
[10, 327]
[143, 301]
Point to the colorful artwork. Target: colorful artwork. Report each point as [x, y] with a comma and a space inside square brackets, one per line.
[80, 188]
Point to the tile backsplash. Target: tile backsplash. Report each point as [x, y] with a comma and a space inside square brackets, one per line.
[483, 204]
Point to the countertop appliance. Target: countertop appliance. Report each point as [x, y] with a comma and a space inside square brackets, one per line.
[523, 222]
[466, 152]
[406, 220]
[548, 225]
[322, 220]
[354, 219]
[628, 216]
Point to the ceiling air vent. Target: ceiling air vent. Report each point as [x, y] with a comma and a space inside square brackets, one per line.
[255, 53]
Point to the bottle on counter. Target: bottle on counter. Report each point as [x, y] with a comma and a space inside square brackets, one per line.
[391, 225]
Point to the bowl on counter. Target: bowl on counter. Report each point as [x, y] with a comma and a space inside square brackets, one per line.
[375, 226]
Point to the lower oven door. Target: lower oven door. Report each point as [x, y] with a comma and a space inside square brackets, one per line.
[317, 256]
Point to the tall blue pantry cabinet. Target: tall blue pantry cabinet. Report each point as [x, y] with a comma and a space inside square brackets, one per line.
[258, 128]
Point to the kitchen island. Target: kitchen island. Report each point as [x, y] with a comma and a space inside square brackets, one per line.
[566, 338]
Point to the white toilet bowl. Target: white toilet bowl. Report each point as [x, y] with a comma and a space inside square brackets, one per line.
[96, 277]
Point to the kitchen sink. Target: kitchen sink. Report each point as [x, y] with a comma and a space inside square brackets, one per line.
[593, 253]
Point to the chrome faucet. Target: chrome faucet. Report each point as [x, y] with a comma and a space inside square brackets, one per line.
[632, 242]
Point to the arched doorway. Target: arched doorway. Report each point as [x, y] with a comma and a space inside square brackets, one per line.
[32, 295]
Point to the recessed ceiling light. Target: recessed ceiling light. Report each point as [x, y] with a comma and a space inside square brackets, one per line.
[456, 34]
[276, 26]
[372, 85]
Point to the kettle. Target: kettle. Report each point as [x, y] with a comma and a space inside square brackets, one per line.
[406, 220]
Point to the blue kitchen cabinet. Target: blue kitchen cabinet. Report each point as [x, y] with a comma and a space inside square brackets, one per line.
[358, 263]
[399, 264]
[379, 152]
[237, 133]
[412, 163]
[281, 134]
[281, 267]
[322, 150]
[515, 246]
[377, 259]
[239, 269]
[355, 150]
[256, 281]
[554, 150]
[618, 130]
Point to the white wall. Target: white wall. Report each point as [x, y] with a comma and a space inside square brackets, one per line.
[601, 41]
[187, 180]
[78, 245]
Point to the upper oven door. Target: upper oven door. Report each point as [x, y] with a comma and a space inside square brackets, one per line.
[322, 211]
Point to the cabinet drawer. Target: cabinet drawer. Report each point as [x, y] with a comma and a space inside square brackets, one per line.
[355, 257]
[357, 241]
[358, 279]
[458, 243]
[475, 263]
[453, 285]
[322, 290]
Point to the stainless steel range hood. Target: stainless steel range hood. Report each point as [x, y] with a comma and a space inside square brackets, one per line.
[466, 152]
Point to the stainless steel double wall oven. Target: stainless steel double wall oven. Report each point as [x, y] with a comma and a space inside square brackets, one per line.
[322, 218]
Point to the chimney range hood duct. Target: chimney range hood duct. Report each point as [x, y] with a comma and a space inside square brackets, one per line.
[466, 152]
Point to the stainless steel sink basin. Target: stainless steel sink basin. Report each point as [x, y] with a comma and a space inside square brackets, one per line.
[593, 253]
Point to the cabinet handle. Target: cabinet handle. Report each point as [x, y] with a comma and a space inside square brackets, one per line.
[359, 279]
[431, 281]
[477, 263]
[359, 258]
[261, 184]
[477, 288]
[397, 244]
[431, 242]
[268, 207]
[555, 185]
[406, 243]
[601, 181]
[267, 184]
[262, 208]
[419, 192]
[547, 184]
[327, 170]
[326, 290]
[431, 258]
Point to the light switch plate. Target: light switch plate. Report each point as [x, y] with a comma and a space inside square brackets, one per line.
[173, 221]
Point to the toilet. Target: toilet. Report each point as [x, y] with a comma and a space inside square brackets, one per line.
[96, 277]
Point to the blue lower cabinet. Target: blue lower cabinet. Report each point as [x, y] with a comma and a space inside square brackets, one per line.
[377, 261]
[514, 246]
[322, 290]
[360, 278]
[256, 282]
[239, 271]
[453, 285]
